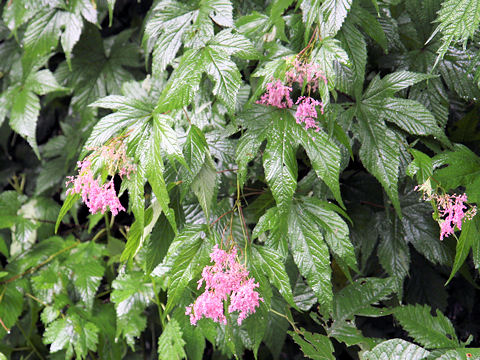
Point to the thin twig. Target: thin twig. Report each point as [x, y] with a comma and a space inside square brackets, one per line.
[188, 118]
[221, 216]
[35, 268]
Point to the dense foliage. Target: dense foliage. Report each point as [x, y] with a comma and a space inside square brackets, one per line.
[239, 178]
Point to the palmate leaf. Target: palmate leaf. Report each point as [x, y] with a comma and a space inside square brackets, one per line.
[279, 128]
[170, 22]
[50, 23]
[170, 343]
[214, 59]
[458, 20]
[432, 332]
[73, 334]
[396, 349]
[326, 55]
[332, 15]
[97, 67]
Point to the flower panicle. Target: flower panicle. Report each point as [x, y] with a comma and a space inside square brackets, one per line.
[452, 209]
[98, 196]
[225, 280]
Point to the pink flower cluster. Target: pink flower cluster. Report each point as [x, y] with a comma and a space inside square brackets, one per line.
[278, 94]
[225, 279]
[97, 197]
[452, 209]
[305, 73]
[306, 112]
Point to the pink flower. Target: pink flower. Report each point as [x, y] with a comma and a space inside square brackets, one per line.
[225, 279]
[306, 112]
[277, 95]
[308, 74]
[452, 207]
[97, 197]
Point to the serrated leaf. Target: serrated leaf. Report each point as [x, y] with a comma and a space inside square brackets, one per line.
[11, 307]
[393, 252]
[73, 334]
[183, 83]
[463, 170]
[131, 295]
[324, 155]
[279, 160]
[310, 253]
[204, 185]
[332, 15]
[379, 153]
[325, 56]
[225, 75]
[170, 343]
[433, 332]
[458, 20]
[274, 269]
[86, 279]
[192, 256]
[355, 45]
[357, 298]
[396, 349]
[466, 241]
[314, 346]
[392, 83]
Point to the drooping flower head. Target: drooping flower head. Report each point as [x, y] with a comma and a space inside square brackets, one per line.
[277, 95]
[98, 196]
[305, 74]
[225, 280]
[306, 112]
[452, 209]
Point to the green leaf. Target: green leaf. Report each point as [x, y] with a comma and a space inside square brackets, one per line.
[189, 260]
[131, 295]
[225, 75]
[204, 184]
[67, 205]
[273, 267]
[335, 229]
[170, 343]
[314, 346]
[379, 153]
[11, 306]
[356, 47]
[357, 298]
[421, 166]
[310, 252]
[332, 15]
[183, 83]
[279, 159]
[73, 334]
[370, 25]
[458, 20]
[396, 349]
[393, 251]
[463, 169]
[24, 116]
[392, 83]
[466, 241]
[166, 137]
[432, 332]
[410, 116]
[325, 56]
[324, 155]
[86, 279]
